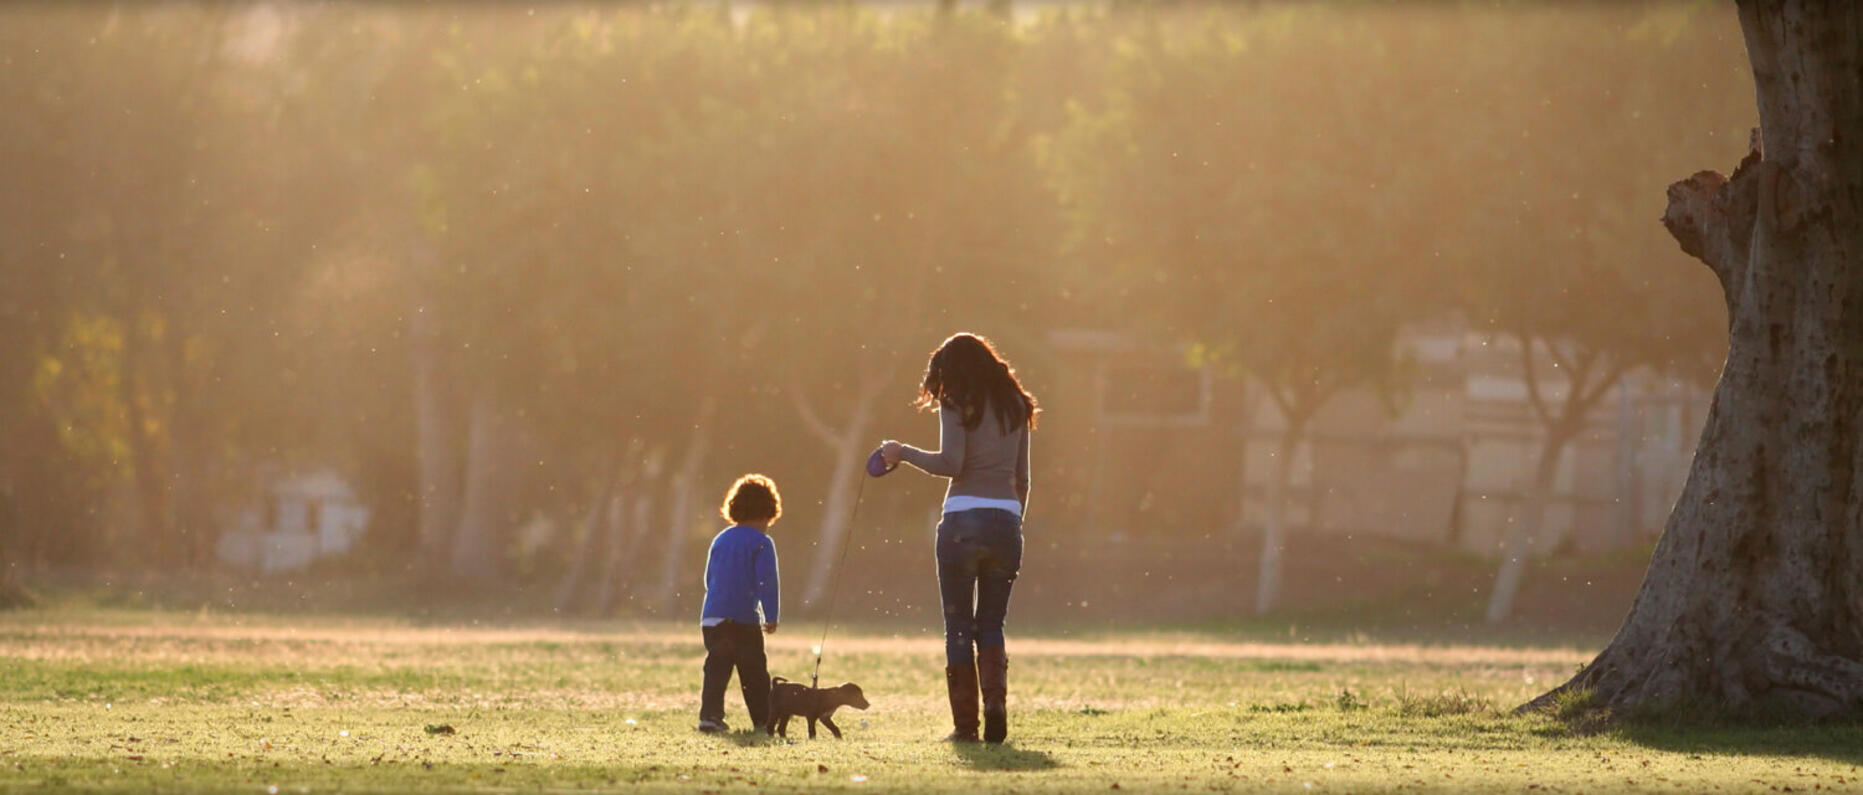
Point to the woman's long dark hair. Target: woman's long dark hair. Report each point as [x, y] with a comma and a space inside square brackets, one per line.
[965, 374]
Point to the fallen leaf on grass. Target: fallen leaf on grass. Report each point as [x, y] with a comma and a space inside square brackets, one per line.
[440, 728]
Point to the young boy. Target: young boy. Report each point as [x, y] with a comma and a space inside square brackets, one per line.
[740, 577]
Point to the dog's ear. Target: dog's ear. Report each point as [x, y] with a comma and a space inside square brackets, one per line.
[850, 686]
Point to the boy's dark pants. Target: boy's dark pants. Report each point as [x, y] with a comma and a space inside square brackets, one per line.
[732, 645]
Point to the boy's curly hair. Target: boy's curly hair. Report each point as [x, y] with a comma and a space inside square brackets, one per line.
[752, 498]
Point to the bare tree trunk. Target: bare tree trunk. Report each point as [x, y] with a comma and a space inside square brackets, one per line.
[1526, 532]
[844, 446]
[191, 480]
[1754, 596]
[590, 548]
[475, 541]
[685, 488]
[12, 593]
[624, 542]
[837, 509]
[151, 497]
[190, 472]
[437, 437]
[1274, 530]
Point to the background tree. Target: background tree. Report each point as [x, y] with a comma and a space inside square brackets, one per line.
[1567, 270]
[1231, 223]
[1751, 600]
[639, 239]
[172, 236]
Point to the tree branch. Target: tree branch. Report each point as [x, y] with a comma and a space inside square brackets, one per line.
[1611, 376]
[1577, 373]
[1694, 220]
[1282, 402]
[1532, 378]
[1559, 360]
[1712, 217]
[810, 418]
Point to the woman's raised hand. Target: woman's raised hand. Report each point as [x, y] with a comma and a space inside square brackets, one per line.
[889, 452]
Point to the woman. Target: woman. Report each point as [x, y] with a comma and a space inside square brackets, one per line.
[984, 420]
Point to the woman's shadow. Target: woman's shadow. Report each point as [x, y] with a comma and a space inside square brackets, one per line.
[1004, 756]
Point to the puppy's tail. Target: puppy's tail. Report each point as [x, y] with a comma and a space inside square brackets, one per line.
[777, 680]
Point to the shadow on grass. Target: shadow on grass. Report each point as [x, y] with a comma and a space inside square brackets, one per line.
[1838, 742]
[746, 738]
[985, 756]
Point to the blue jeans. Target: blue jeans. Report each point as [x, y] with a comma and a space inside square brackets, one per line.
[979, 553]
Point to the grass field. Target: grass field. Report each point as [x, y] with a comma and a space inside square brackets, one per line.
[139, 700]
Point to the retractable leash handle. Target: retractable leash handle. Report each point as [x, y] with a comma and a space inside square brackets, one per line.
[876, 467]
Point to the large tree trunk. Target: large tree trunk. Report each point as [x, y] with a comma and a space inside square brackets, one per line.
[1274, 530]
[1754, 598]
[1526, 532]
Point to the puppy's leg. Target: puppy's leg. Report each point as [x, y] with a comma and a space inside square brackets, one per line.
[828, 720]
[812, 727]
[781, 725]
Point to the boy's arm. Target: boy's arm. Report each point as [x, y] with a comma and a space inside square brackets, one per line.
[769, 592]
[948, 460]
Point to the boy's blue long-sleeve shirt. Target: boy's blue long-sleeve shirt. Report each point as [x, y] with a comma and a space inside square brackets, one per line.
[740, 574]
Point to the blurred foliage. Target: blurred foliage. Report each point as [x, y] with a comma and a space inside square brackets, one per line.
[228, 229]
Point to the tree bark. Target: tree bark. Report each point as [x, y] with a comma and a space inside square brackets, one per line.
[1754, 598]
[1274, 530]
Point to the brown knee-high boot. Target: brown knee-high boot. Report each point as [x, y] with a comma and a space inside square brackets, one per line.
[961, 683]
[993, 676]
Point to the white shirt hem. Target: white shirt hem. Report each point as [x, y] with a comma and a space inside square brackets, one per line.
[961, 502]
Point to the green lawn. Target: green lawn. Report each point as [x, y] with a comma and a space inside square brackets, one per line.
[165, 701]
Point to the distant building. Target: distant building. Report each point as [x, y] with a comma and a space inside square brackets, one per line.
[1455, 462]
[1450, 462]
[299, 519]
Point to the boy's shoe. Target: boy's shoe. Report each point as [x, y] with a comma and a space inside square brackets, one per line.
[710, 726]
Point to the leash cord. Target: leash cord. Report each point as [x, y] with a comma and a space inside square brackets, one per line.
[834, 587]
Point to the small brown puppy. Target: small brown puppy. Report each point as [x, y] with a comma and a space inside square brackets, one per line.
[789, 699]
